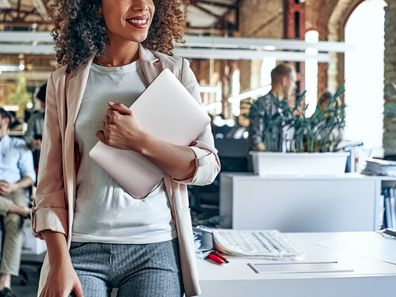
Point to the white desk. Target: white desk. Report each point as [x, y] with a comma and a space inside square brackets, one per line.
[300, 203]
[373, 263]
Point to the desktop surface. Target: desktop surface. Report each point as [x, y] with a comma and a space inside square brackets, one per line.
[365, 267]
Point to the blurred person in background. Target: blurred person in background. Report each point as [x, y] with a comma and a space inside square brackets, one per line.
[265, 128]
[16, 174]
[35, 125]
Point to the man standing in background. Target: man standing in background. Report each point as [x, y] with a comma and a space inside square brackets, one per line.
[265, 128]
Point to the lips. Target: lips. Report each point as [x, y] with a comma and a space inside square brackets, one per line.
[138, 22]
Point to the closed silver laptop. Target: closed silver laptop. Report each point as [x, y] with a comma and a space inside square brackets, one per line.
[165, 110]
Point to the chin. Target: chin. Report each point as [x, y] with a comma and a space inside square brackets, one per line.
[137, 38]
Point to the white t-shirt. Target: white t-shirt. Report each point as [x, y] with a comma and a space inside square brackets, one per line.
[104, 211]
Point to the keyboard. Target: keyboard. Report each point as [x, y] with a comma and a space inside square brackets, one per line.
[261, 243]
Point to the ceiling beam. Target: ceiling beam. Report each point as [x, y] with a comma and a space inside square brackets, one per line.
[201, 41]
[222, 21]
[263, 43]
[237, 54]
[11, 16]
[214, 3]
[195, 53]
[225, 23]
[42, 9]
[205, 10]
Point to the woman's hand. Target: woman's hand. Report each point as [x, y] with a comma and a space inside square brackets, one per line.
[61, 281]
[62, 278]
[121, 129]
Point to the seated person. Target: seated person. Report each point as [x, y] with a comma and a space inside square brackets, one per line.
[16, 174]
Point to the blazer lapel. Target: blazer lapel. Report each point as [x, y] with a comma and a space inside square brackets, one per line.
[151, 66]
[75, 90]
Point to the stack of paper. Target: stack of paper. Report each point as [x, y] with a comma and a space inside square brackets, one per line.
[380, 167]
[262, 243]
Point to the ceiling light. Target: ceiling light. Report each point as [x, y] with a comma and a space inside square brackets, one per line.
[5, 4]
[9, 68]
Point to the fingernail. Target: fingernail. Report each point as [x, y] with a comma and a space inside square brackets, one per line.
[111, 102]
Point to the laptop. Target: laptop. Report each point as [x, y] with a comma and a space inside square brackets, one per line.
[166, 110]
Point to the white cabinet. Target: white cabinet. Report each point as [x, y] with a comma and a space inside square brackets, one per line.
[300, 204]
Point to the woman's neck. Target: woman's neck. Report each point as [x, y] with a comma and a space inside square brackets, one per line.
[119, 54]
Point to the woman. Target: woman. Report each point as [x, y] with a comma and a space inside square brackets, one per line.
[110, 51]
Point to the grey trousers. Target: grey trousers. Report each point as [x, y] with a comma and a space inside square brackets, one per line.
[13, 229]
[136, 270]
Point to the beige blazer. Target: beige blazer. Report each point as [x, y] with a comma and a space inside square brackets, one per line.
[53, 206]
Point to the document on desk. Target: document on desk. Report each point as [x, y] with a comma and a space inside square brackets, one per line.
[299, 267]
[257, 243]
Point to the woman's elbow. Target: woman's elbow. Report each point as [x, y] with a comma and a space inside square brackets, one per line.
[206, 175]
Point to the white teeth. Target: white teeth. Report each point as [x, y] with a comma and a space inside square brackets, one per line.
[139, 22]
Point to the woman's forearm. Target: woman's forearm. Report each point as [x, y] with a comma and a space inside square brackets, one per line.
[57, 247]
[175, 160]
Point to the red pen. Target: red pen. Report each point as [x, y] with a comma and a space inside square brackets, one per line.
[215, 258]
[221, 256]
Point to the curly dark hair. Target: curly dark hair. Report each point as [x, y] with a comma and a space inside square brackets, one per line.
[80, 30]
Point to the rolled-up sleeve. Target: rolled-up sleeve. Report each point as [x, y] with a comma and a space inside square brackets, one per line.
[49, 205]
[206, 167]
[207, 163]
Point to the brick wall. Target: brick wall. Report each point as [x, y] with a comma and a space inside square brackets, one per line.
[261, 19]
[258, 19]
[317, 14]
[389, 139]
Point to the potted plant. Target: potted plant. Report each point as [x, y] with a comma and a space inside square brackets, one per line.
[312, 142]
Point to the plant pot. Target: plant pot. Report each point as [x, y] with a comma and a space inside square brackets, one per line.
[268, 163]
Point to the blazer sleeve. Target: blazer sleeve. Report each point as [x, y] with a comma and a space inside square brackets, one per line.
[207, 163]
[49, 205]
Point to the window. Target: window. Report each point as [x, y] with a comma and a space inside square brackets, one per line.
[235, 90]
[311, 73]
[364, 74]
[266, 67]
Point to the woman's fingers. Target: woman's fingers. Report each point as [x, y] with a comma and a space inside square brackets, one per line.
[119, 107]
[77, 290]
[100, 136]
[111, 115]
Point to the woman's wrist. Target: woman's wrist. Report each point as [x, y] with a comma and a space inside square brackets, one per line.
[58, 253]
[140, 143]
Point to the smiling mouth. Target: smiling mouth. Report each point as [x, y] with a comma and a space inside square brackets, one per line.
[138, 22]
